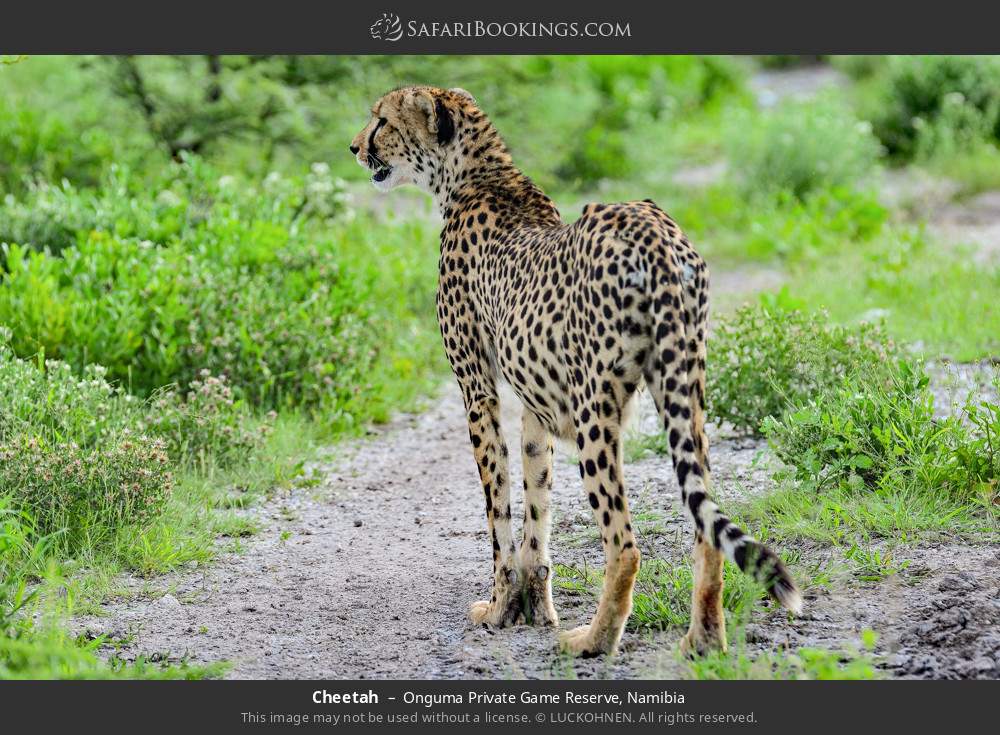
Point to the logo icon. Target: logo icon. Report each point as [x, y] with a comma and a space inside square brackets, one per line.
[387, 28]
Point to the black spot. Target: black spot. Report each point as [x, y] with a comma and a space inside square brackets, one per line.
[695, 499]
[718, 527]
[682, 472]
[740, 556]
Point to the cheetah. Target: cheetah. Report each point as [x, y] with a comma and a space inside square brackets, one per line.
[576, 318]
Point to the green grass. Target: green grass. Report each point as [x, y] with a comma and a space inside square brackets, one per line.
[845, 516]
[662, 603]
[803, 663]
[976, 168]
[926, 294]
[662, 597]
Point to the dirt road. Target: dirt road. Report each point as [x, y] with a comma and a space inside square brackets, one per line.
[369, 575]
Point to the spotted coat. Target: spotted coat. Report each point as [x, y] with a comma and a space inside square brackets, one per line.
[576, 317]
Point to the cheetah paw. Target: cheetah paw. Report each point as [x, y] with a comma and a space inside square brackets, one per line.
[537, 598]
[697, 643]
[581, 642]
[504, 609]
[496, 614]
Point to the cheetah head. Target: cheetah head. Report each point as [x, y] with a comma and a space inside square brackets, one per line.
[411, 135]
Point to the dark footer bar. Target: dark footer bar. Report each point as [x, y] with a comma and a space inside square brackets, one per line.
[579, 706]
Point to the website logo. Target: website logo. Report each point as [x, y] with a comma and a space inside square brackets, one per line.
[387, 28]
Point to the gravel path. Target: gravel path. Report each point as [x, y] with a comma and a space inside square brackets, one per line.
[369, 575]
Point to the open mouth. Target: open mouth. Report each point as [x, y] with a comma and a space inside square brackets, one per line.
[381, 173]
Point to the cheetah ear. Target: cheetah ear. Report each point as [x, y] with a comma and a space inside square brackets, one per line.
[463, 93]
[437, 115]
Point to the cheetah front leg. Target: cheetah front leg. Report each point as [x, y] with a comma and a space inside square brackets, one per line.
[533, 561]
[504, 606]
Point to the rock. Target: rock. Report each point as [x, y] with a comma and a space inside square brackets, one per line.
[169, 601]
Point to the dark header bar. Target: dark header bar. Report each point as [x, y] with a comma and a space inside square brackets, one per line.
[510, 26]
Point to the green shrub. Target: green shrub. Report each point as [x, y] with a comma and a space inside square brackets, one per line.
[625, 102]
[801, 147]
[206, 423]
[857, 432]
[934, 97]
[859, 66]
[67, 457]
[36, 147]
[765, 360]
[85, 492]
[263, 283]
[957, 128]
[189, 202]
[81, 454]
[788, 61]
[817, 225]
[878, 431]
[725, 223]
[977, 447]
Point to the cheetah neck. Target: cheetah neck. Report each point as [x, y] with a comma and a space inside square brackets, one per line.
[479, 170]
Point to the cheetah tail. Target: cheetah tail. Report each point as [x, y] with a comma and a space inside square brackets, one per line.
[750, 555]
[757, 560]
[675, 376]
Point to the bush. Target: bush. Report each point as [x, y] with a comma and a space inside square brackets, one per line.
[794, 228]
[727, 224]
[857, 432]
[256, 282]
[81, 456]
[191, 201]
[86, 493]
[34, 147]
[206, 423]
[765, 360]
[859, 66]
[48, 399]
[789, 61]
[878, 430]
[922, 100]
[801, 147]
[68, 459]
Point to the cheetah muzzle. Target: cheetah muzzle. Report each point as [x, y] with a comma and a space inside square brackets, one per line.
[576, 318]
